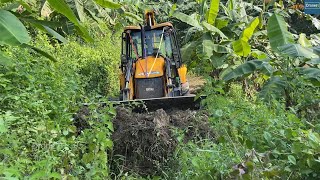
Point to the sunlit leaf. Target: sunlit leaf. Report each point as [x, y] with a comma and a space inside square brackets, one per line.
[12, 31]
[241, 47]
[296, 50]
[213, 11]
[108, 4]
[56, 35]
[292, 159]
[62, 7]
[4, 60]
[187, 19]
[214, 29]
[303, 41]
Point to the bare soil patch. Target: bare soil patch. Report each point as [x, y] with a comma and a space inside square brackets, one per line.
[143, 143]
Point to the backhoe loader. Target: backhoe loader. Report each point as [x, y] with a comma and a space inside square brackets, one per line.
[151, 66]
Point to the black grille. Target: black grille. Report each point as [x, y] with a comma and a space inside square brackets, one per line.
[149, 88]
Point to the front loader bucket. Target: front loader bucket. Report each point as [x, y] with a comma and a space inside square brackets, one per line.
[165, 103]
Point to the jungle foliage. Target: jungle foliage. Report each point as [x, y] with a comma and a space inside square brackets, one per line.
[262, 73]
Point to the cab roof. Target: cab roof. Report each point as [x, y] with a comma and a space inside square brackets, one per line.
[152, 27]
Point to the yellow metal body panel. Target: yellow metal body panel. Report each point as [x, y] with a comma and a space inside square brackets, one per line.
[143, 67]
[122, 80]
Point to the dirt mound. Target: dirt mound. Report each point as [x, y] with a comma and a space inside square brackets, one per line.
[146, 141]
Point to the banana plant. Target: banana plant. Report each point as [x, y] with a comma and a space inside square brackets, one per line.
[219, 24]
[14, 33]
[291, 60]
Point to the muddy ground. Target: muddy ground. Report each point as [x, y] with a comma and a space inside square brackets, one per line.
[143, 143]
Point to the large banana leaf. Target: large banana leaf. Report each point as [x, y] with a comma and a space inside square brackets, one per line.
[213, 11]
[248, 31]
[278, 32]
[248, 68]
[273, 88]
[108, 4]
[316, 23]
[241, 46]
[221, 22]
[304, 41]
[55, 34]
[211, 28]
[311, 74]
[313, 62]
[296, 50]
[187, 50]
[187, 19]
[12, 31]
[134, 16]
[62, 7]
[80, 10]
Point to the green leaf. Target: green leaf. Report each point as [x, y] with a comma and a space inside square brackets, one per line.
[267, 136]
[241, 48]
[259, 54]
[314, 137]
[187, 19]
[12, 31]
[92, 15]
[51, 24]
[80, 10]
[4, 60]
[292, 159]
[315, 61]
[303, 40]
[3, 126]
[43, 53]
[56, 35]
[108, 4]
[316, 22]
[187, 50]
[248, 68]
[312, 74]
[211, 28]
[273, 88]
[213, 11]
[134, 16]
[296, 50]
[62, 7]
[221, 23]
[248, 31]
[172, 10]
[278, 32]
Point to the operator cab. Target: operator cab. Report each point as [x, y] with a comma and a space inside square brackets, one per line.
[151, 61]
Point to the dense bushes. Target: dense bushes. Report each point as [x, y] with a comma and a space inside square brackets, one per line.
[254, 140]
[38, 98]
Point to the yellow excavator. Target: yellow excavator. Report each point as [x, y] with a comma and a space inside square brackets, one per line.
[151, 66]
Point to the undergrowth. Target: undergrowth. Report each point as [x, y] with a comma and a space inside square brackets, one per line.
[38, 97]
[254, 141]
